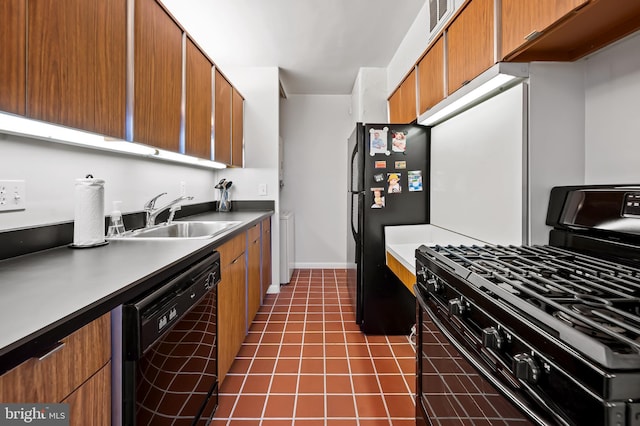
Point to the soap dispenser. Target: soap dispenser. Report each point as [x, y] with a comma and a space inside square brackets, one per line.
[116, 226]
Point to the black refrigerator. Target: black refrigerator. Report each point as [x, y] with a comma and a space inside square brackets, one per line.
[388, 185]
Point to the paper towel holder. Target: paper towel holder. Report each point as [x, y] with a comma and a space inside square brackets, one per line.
[99, 244]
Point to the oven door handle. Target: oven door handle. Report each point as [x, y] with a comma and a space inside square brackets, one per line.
[484, 371]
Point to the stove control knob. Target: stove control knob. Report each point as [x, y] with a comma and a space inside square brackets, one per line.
[422, 276]
[491, 338]
[457, 307]
[526, 368]
[433, 286]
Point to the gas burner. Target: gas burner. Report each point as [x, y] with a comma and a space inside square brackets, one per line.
[591, 300]
[591, 313]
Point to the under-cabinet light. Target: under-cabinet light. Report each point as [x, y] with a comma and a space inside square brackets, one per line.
[498, 78]
[21, 126]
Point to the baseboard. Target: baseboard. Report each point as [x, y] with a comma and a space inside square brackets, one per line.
[302, 265]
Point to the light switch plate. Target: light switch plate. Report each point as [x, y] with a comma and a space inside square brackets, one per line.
[262, 189]
[13, 195]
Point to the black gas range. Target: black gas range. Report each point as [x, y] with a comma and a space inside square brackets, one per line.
[545, 334]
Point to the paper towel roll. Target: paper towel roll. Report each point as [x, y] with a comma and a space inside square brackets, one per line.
[88, 228]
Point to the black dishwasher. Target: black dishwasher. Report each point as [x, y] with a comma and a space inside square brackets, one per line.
[170, 350]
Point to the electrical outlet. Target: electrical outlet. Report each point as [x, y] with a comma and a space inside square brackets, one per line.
[13, 195]
[183, 188]
[262, 189]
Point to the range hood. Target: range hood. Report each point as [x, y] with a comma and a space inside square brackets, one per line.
[496, 79]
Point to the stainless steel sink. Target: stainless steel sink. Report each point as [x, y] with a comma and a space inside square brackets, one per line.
[182, 230]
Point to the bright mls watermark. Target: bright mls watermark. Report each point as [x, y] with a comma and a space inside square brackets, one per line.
[34, 414]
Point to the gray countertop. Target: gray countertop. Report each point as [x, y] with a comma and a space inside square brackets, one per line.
[46, 295]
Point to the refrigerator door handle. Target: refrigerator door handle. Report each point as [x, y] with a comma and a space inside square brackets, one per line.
[353, 229]
[353, 156]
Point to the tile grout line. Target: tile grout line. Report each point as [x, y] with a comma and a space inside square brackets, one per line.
[275, 364]
[400, 367]
[344, 335]
[304, 325]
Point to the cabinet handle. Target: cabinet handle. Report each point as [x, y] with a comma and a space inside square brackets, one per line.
[532, 35]
[53, 350]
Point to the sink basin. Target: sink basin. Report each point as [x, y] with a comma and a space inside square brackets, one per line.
[182, 230]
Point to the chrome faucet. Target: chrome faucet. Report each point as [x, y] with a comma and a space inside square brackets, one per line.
[151, 213]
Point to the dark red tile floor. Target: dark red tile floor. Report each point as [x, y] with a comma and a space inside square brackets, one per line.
[305, 362]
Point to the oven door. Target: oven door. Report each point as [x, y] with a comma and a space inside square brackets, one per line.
[450, 386]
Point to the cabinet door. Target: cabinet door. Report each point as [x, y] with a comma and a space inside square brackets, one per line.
[76, 64]
[254, 295]
[408, 96]
[90, 404]
[53, 376]
[431, 76]
[157, 77]
[522, 21]
[470, 43]
[395, 106]
[237, 135]
[13, 29]
[231, 314]
[266, 255]
[402, 104]
[198, 103]
[222, 121]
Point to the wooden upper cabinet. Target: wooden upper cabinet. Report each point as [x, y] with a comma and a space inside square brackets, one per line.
[431, 77]
[394, 104]
[402, 103]
[522, 21]
[470, 43]
[222, 120]
[13, 32]
[569, 29]
[237, 131]
[198, 103]
[76, 64]
[157, 77]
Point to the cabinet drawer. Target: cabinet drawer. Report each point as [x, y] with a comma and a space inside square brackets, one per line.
[56, 374]
[230, 250]
[254, 233]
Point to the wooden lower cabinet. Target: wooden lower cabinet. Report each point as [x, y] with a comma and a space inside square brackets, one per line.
[232, 304]
[88, 404]
[266, 256]
[77, 371]
[254, 295]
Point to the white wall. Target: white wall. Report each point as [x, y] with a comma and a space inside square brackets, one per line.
[477, 170]
[260, 88]
[414, 44]
[556, 137]
[50, 170]
[612, 120]
[369, 96]
[315, 129]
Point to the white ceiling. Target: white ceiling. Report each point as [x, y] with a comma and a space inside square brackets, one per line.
[319, 45]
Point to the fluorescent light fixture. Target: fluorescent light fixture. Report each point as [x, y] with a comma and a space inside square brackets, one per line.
[187, 159]
[491, 82]
[21, 126]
